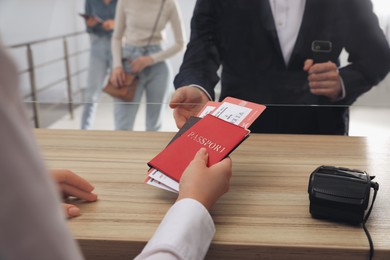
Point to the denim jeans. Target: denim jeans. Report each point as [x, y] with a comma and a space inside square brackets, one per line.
[154, 81]
[100, 61]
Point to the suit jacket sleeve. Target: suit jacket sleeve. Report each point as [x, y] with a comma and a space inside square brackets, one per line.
[201, 60]
[185, 233]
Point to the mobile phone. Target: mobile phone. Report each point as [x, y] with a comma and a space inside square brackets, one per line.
[321, 51]
[86, 16]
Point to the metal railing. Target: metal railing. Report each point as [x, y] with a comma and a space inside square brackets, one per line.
[32, 67]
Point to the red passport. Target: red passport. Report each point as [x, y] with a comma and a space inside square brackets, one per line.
[219, 137]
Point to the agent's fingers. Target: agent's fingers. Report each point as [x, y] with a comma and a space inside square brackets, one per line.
[70, 190]
[64, 176]
[224, 164]
[201, 157]
[70, 210]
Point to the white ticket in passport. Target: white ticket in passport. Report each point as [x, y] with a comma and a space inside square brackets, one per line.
[238, 112]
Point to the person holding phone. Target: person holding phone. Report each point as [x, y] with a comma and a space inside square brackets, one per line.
[99, 18]
[264, 49]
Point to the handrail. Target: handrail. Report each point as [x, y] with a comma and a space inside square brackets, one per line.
[31, 70]
[46, 40]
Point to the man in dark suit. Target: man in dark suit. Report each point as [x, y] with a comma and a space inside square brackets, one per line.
[294, 71]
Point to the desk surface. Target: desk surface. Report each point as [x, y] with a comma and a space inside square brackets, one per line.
[264, 216]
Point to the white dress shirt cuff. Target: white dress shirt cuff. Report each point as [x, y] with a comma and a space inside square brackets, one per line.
[343, 92]
[185, 233]
[201, 88]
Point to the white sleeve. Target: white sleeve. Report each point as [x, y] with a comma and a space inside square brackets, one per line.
[119, 29]
[32, 224]
[178, 34]
[185, 233]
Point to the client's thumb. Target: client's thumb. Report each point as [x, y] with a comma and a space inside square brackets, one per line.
[177, 98]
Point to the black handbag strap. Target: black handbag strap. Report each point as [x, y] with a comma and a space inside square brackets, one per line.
[153, 30]
[155, 23]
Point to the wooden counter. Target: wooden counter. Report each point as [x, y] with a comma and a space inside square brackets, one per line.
[264, 216]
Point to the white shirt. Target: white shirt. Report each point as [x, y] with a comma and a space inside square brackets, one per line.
[185, 233]
[288, 15]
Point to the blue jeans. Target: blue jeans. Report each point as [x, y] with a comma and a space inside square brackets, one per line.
[100, 61]
[154, 81]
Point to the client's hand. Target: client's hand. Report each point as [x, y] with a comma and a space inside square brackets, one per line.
[205, 184]
[187, 101]
[72, 185]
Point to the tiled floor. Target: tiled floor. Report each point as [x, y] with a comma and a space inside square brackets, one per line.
[364, 120]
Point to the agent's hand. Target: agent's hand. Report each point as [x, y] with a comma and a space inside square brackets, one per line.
[108, 25]
[118, 77]
[187, 101]
[72, 185]
[141, 63]
[324, 79]
[205, 184]
[91, 21]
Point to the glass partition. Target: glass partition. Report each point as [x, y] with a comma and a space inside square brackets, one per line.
[52, 55]
[364, 120]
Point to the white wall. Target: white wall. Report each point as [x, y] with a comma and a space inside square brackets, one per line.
[187, 7]
[23, 21]
[26, 20]
[380, 94]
